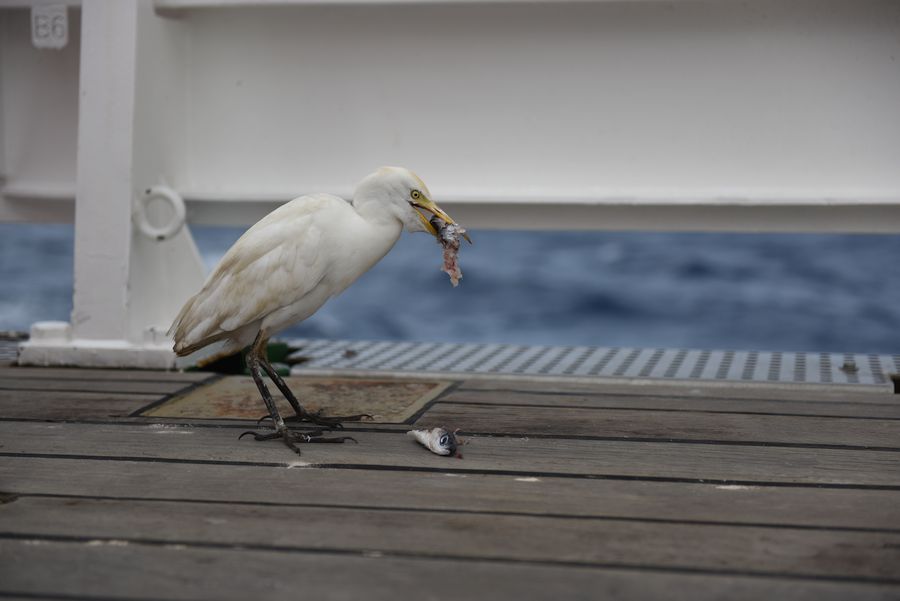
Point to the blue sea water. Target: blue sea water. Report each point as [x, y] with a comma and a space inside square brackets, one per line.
[725, 291]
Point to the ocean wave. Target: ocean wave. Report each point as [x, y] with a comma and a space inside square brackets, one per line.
[735, 291]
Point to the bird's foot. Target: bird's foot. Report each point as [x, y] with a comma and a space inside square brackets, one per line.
[291, 437]
[333, 422]
[316, 417]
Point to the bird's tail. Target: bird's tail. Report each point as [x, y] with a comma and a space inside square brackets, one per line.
[183, 349]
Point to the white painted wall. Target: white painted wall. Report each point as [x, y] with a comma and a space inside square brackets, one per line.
[763, 99]
[688, 114]
[38, 121]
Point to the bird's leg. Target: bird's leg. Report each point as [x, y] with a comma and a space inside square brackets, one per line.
[302, 415]
[281, 431]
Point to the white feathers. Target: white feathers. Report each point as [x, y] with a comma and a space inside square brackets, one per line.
[297, 257]
[282, 270]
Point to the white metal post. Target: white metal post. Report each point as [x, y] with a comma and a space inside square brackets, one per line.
[104, 177]
[128, 286]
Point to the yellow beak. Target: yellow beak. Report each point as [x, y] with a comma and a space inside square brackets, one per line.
[429, 205]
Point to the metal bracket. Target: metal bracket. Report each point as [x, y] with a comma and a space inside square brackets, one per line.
[142, 208]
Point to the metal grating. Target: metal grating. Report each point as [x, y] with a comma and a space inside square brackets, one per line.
[9, 346]
[604, 362]
[582, 361]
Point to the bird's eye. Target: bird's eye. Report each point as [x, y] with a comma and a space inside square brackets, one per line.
[415, 194]
[444, 440]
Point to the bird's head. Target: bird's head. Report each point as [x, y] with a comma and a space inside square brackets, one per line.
[404, 195]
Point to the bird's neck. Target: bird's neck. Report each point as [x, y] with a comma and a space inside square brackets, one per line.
[381, 224]
[376, 213]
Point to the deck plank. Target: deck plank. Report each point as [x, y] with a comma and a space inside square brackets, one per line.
[677, 425]
[67, 385]
[699, 389]
[866, 556]
[389, 450]
[39, 404]
[888, 407]
[171, 572]
[571, 490]
[96, 375]
[455, 492]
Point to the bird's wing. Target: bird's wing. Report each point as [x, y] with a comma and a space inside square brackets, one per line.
[274, 264]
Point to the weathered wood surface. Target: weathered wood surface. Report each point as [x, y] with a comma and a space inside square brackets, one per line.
[573, 457]
[837, 508]
[161, 387]
[39, 404]
[681, 389]
[99, 375]
[102, 569]
[568, 491]
[473, 536]
[868, 406]
[675, 425]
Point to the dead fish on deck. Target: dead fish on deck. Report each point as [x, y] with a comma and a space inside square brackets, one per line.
[439, 441]
[448, 237]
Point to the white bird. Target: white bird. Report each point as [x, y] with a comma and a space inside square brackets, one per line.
[289, 264]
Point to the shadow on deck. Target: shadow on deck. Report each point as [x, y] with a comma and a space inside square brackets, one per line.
[574, 490]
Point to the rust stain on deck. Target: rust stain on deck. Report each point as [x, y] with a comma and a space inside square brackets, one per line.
[236, 397]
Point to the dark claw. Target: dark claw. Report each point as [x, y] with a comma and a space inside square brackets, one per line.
[358, 418]
[313, 433]
[262, 436]
[291, 438]
[327, 423]
[335, 439]
[333, 423]
[297, 419]
[336, 420]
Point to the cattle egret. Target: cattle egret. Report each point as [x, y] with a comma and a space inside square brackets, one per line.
[288, 265]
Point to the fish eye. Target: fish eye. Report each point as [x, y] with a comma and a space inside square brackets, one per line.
[415, 194]
[444, 440]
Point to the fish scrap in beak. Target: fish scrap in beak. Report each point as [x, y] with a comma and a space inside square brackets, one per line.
[426, 204]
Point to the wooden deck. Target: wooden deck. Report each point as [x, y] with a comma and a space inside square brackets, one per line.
[590, 491]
